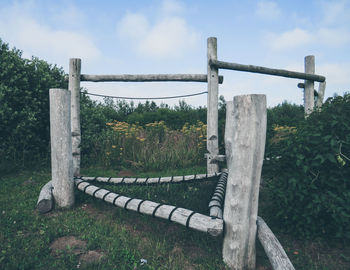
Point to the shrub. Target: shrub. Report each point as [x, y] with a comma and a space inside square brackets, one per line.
[311, 193]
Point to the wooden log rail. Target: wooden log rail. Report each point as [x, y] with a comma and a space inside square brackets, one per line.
[188, 218]
[153, 180]
[273, 249]
[148, 78]
[267, 71]
[217, 200]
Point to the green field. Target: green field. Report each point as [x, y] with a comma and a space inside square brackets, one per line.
[124, 238]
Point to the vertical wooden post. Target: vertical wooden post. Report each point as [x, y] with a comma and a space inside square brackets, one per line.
[74, 87]
[242, 190]
[61, 148]
[212, 110]
[309, 101]
[229, 132]
[320, 97]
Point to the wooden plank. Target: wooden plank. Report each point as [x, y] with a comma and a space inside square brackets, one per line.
[267, 71]
[212, 107]
[45, 200]
[61, 148]
[148, 78]
[188, 218]
[273, 248]
[242, 190]
[309, 98]
[74, 87]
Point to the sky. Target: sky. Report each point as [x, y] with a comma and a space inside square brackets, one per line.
[170, 36]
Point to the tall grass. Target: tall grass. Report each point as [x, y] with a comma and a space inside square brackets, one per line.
[146, 148]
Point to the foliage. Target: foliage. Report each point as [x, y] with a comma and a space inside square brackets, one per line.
[24, 110]
[150, 147]
[282, 115]
[311, 193]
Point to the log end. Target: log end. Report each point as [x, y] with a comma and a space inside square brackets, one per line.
[44, 206]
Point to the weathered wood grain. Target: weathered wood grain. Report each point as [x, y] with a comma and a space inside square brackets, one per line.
[309, 98]
[45, 200]
[273, 249]
[212, 107]
[267, 71]
[61, 148]
[242, 190]
[148, 78]
[74, 87]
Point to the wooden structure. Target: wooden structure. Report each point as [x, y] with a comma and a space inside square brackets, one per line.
[234, 204]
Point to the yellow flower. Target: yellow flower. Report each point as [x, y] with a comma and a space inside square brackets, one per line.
[114, 146]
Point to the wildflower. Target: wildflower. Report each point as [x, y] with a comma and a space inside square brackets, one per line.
[114, 146]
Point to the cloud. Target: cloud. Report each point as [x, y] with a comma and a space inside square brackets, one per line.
[20, 28]
[336, 12]
[290, 39]
[168, 37]
[171, 7]
[268, 10]
[336, 74]
[334, 37]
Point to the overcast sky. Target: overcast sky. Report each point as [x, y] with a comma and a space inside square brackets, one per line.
[170, 36]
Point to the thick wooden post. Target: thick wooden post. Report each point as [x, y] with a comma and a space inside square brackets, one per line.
[61, 148]
[242, 190]
[309, 101]
[74, 87]
[212, 104]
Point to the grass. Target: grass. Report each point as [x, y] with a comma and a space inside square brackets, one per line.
[126, 237]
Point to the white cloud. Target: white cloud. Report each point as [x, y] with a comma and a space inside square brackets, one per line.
[133, 26]
[290, 39]
[336, 12]
[337, 75]
[168, 37]
[334, 37]
[268, 10]
[19, 28]
[171, 7]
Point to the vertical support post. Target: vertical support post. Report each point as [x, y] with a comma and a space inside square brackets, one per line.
[61, 148]
[309, 99]
[228, 132]
[242, 190]
[212, 110]
[320, 97]
[74, 87]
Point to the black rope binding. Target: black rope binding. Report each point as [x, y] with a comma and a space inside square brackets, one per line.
[109, 180]
[104, 196]
[138, 207]
[87, 187]
[127, 202]
[93, 194]
[155, 209]
[189, 218]
[172, 212]
[81, 183]
[118, 195]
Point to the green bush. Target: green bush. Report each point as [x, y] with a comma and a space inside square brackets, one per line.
[311, 193]
[24, 106]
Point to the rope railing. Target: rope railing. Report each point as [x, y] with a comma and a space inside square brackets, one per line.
[216, 203]
[146, 98]
[188, 218]
[152, 180]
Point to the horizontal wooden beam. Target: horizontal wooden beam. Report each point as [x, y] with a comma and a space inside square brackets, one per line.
[188, 218]
[45, 201]
[148, 78]
[267, 71]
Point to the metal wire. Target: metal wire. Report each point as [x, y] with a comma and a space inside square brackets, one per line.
[145, 98]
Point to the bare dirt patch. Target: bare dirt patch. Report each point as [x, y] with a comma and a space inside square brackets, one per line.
[68, 244]
[126, 173]
[92, 256]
